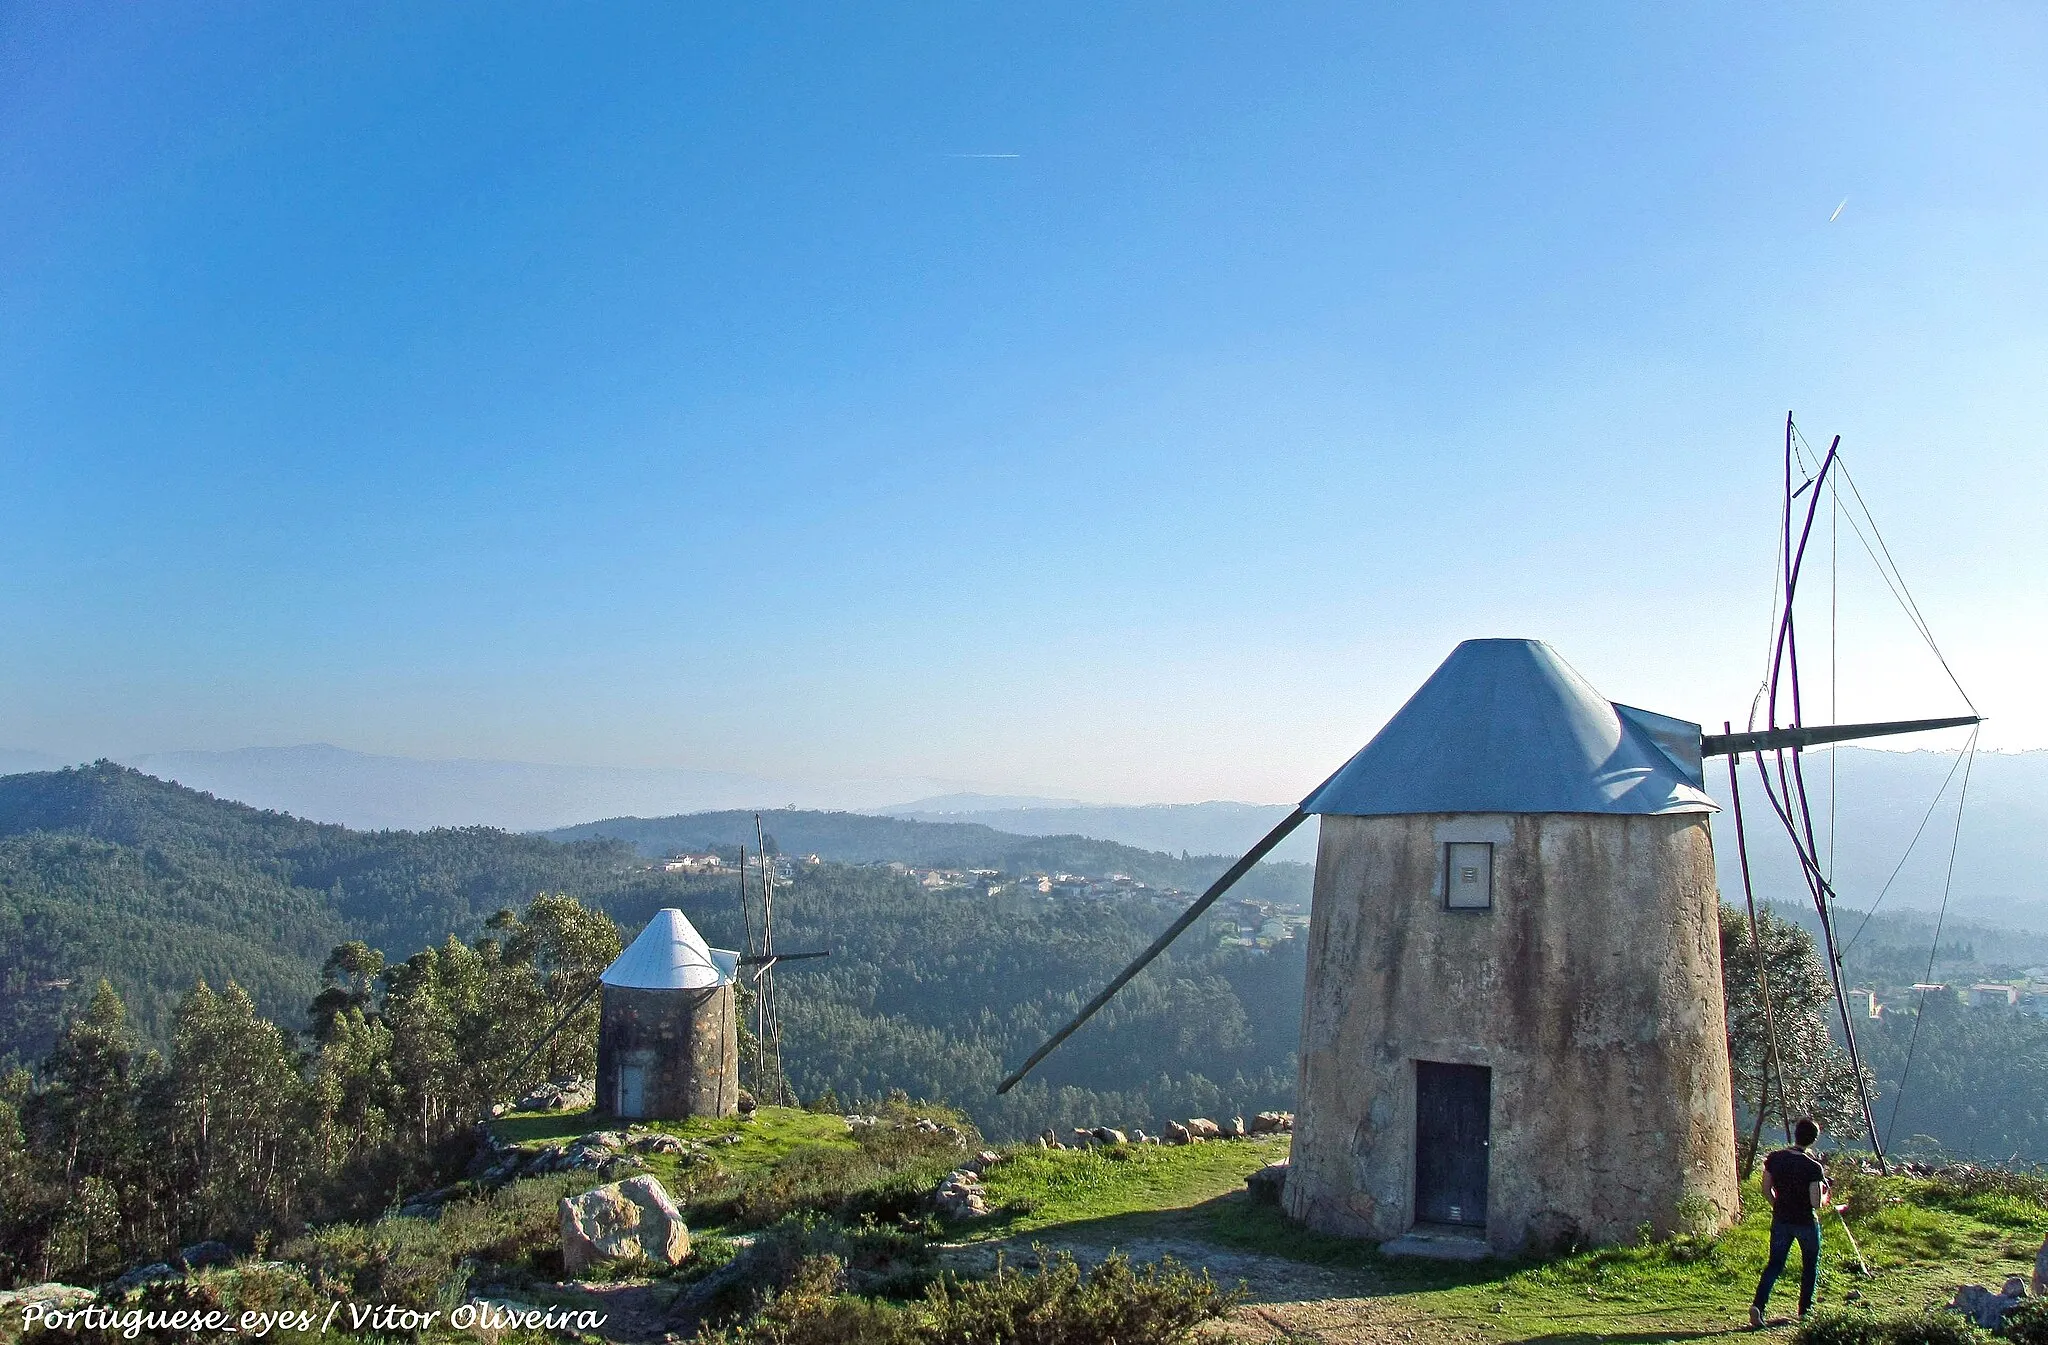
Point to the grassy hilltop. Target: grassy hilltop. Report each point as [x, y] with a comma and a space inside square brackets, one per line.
[809, 1229]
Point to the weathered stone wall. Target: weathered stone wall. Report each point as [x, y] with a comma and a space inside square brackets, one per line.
[1592, 990]
[686, 1041]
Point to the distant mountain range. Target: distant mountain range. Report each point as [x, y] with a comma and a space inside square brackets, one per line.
[2001, 870]
[380, 793]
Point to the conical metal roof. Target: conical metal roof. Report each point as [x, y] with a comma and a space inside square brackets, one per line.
[1506, 726]
[671, 955]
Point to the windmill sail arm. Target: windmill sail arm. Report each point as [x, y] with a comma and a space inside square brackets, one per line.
[1173, 931]
[549, 1035]
[1768, 740]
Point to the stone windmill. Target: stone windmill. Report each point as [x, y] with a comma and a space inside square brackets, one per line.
[668, 1036]
[1513, 1032]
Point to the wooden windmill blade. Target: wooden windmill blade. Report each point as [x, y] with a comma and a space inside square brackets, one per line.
[1173, 931]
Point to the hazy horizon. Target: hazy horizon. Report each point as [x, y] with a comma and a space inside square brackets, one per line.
[884, 795]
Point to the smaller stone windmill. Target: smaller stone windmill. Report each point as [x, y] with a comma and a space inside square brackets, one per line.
[668, 1036]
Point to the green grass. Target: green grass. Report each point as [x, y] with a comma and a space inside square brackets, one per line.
[1045, 1188]
[1919, 1239]
[772, 1136]
[1917, 1254]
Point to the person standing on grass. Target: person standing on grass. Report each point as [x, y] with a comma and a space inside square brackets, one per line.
[1797, 1186]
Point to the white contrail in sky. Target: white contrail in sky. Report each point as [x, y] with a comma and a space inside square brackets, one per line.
[1838, 211]
[984, 156]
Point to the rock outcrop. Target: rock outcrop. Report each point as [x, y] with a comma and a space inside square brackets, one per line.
[1985, 1308]
[623, 1221]
[557, 1095]
[960, 1196]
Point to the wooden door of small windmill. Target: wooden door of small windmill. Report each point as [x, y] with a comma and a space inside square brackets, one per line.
[1452, 1103]
[632, 1090]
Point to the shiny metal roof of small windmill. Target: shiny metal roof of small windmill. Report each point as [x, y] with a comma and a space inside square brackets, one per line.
[1506, 726]
[671, 955]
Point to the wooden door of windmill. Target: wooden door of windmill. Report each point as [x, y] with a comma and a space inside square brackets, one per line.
[1452, 1103]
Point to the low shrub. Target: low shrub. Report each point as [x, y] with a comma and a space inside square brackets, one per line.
[1058, 1303]
[263, 1289]
[417, 1263]
[1933, 1327]
[1849, 1326]
[1960, 1181]
[2027, 1324]
[1840, 1326]
[813, 1310]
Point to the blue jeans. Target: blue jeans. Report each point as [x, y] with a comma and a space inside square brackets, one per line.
[1807, 1235]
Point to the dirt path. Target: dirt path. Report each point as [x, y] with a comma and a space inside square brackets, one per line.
[635, 1310]
[1285, 1300]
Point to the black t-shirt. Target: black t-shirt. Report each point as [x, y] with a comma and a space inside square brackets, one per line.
[1792, 1173]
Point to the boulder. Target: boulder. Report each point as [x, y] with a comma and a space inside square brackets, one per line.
[602, 1139]
[2041, 1270]
[983, 1161]
[1985, 1308]
[1048, 1139]
[1176, 1133]
[1266, 1184]
[1233, 1129]
[657, 1143]
[141, 1275]
[1202, 1128]
[1083, 1138]
[1272, 1123]
[207, 1253]
[1109, 1135]
[1138, 1136]
[632, 1218]
[747, 1105]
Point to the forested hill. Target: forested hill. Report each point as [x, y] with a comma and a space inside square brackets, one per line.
[108, 872]
[857, 838]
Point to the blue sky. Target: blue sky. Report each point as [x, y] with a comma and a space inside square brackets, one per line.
[636, 386]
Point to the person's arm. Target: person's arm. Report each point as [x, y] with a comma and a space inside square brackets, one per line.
[1817, 1192]
[1770, 1190]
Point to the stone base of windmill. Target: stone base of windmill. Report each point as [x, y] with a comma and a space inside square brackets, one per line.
[1439, 1242]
